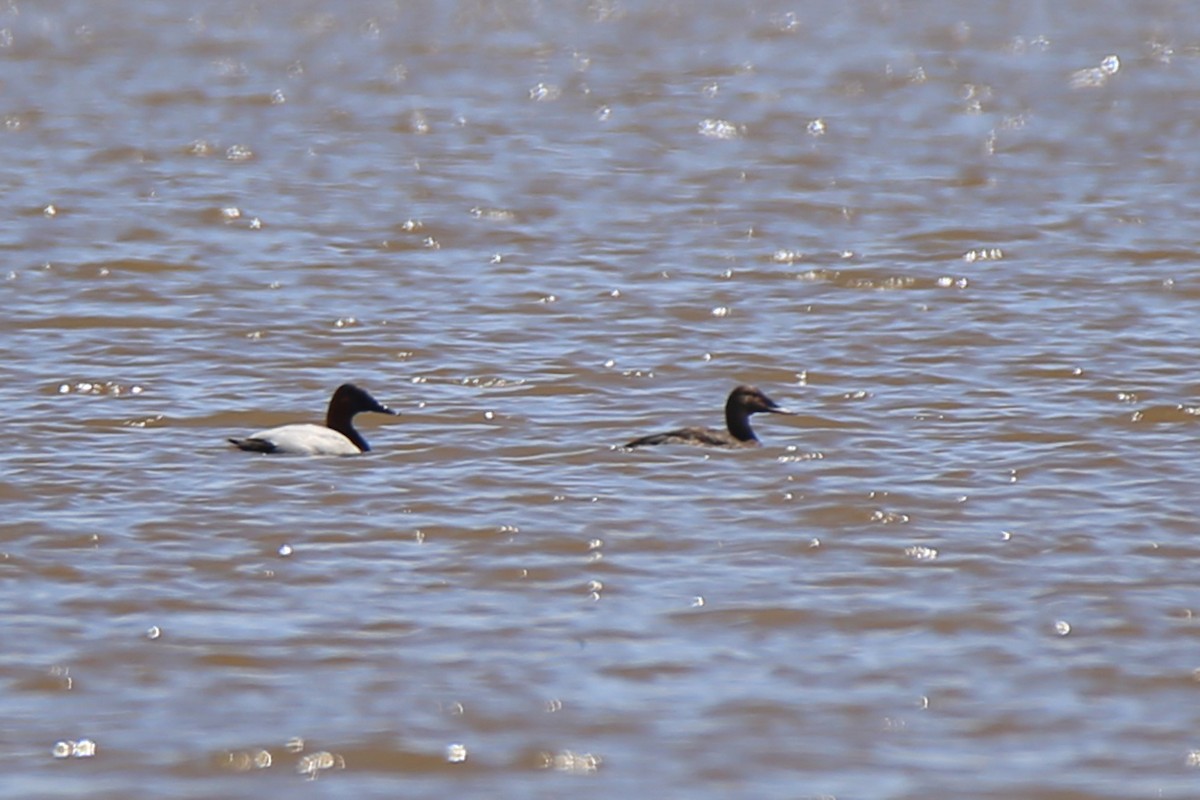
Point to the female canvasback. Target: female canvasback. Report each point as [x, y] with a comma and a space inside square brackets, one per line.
[336, 437]
[743, 401]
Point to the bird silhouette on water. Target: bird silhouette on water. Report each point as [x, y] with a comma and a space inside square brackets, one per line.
[337, 437]
[743, 402]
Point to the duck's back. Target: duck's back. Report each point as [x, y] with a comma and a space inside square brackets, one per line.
[703, 437]
[300, 439]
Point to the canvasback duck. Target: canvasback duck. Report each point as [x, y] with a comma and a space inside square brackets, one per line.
[337, 437]
[743, 401]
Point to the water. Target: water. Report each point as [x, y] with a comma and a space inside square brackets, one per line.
[958, 240]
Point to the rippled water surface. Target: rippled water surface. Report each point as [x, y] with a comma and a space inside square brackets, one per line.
[958, 239]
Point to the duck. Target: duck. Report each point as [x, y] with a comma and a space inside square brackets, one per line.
[743, 401]
[337, 437]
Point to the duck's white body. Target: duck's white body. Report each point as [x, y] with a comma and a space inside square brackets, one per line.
[304, 440]
[337, 437]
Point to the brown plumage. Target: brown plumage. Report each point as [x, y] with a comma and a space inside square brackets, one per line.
[743, 401]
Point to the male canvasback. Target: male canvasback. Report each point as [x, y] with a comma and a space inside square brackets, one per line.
[743, 401]
[336, 437]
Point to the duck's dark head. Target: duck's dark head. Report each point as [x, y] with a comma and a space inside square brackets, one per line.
[752, 400]
[349, 400]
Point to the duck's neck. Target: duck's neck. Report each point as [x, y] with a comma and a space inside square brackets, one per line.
[347, 429]
[738, 422]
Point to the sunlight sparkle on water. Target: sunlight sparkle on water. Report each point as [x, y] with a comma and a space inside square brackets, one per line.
[574, 763]
[544, 93]
[718, 129]
[1096, 77]
[983, 254]
[246, 760]
[314, 764]
[83, 748]
[921, 553]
